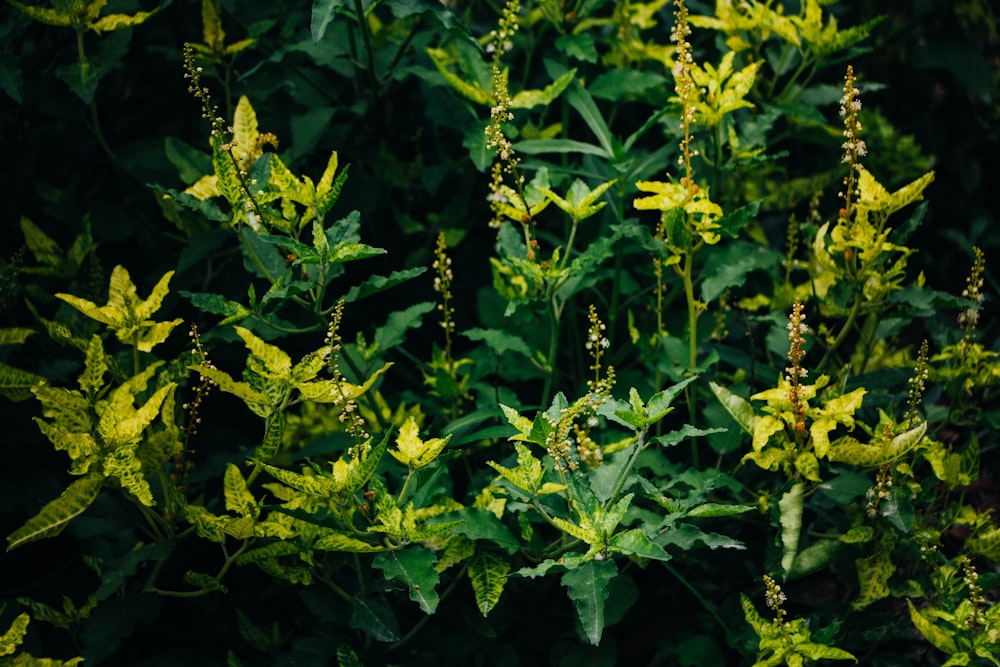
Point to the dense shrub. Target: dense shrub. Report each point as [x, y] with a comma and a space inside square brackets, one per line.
[584, 332]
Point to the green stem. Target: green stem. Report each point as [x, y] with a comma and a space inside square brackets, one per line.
[851, 318]
[692, 307]
[95, 120]
[640, 445]
[369, 51]
[406, 486]
[569, 245]
[553, 314]
[708, 606]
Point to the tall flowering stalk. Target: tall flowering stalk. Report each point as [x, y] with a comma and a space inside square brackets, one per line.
[854, 146]
[505, 166]
[794, 372]
[442, 285]
[685, 88]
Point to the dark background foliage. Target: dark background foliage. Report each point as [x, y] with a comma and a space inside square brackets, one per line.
[937, 70]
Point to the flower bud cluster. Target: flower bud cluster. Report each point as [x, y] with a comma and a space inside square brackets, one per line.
[597, 343]
[353, 422]
[794, 372]
[969, 317]
[854, 146]
[774, 598]
[918, 384]
[684, 85]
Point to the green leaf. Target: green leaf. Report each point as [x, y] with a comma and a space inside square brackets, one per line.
[790, 507]
[587, 586]
[413, 452]
[528, 99]
[205, 582]
[874, 572]
[617, 84]
[42, 247]
[634, 542]
[14, 635]
[16, 384]
[480, 524]
[59, 16]
[116, 571]
[375, 284]
[581, 100]
[11, 79]
[55, 516]
[323, 486]
[718, 509]
[660, 402]
[814, 557]
[227, 384]
[414, 566]
[373, 615]
[540, 146]
[275, 360]
[499, 341]
[685, 432]
[238, 496]
[323, 12]
[738, 407]
[941, 640]
[337, 541]
[393, 332]
[488, 575]
[92, 379]
[361, 472]
[119, 21]
[729, 267]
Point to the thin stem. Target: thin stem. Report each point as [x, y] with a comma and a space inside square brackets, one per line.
[708, 606]
[569, 245]
[553, 315]
[95, 120]
[369, 51]
[851, 318]
[692, 307]
[640, 445]
[406, 486]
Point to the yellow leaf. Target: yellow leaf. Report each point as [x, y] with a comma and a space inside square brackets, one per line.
[45, 15]
[205, 187]
[212, 26]
[113, 22]
[245, 132]
[765, 427]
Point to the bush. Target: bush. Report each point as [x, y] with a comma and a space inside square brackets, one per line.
[414, 332]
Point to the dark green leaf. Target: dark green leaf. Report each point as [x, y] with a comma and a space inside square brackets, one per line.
[10, 76]
[373, 615]
[636, 543]
[323, 12]
[732, 223]
[684, 433]
[587, 586]
[375, 284]
[480, 524]
[393, 332]
[620, 83]
[730, 265]
[790, 507]
[116, 571]
[499, 341]
[414, 566]
[113, 622]
[580, 46]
